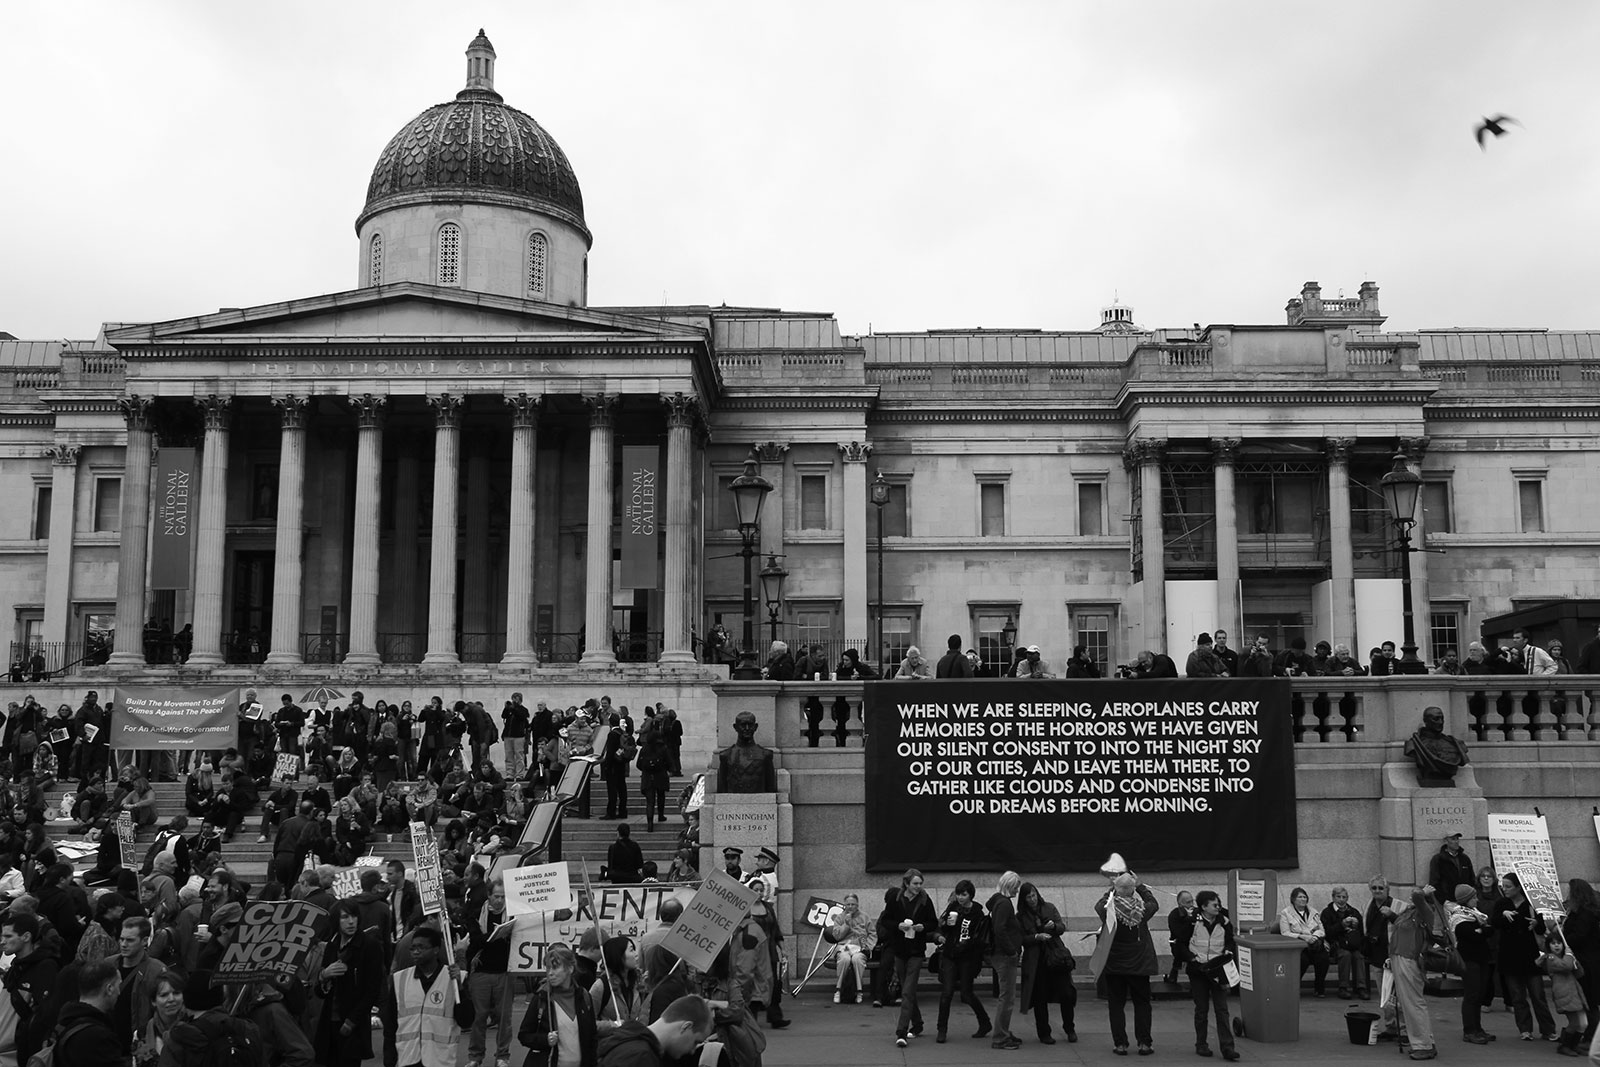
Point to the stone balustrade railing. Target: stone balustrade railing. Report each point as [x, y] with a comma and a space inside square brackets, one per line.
[1482, 709]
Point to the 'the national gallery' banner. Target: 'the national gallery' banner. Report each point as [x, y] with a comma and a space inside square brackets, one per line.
[172, 533]
[1057, 775]
[198, 717]
[641, 470]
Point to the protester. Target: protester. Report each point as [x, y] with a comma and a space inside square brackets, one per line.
[682, 1027]
[559, 1027]
[1047, 964]
[960, 956]
[425, 996]
[1128, 956]
[1520, 929]
[165, 1013]
[1204, 942]
[349, 982]
[87, 1034]
[487, 961]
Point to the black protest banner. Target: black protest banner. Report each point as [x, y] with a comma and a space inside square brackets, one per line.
[274, 939]
[1056, 775]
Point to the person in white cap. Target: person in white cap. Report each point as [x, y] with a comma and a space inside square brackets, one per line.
[1031, 666]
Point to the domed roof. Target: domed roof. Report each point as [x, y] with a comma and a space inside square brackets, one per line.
[475, 148]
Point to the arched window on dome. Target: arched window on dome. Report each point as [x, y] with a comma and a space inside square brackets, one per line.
[375, 260]
[538, 254]
[449, 254]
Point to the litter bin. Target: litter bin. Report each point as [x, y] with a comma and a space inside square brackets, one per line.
[1360, 1025]
[1269, 987]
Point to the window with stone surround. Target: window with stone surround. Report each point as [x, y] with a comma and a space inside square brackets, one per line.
[1092, 626]
[538, 252]
[1436, 512]
[107, 505]
[375, 260]
[449, 254]
[813, 502]
[1091, 507]
[43, 497]
[1530, 502]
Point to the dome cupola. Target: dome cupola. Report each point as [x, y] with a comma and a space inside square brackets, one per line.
[474, 193]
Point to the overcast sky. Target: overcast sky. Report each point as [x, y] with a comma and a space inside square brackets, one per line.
[906, 166]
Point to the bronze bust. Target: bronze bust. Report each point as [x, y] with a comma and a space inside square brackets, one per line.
[744, 766]
[1438, 755]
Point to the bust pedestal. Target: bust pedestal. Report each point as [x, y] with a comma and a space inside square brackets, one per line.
[1413, 820]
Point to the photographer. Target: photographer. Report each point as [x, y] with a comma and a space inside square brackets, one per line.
[1149, 665]
[1203, 943]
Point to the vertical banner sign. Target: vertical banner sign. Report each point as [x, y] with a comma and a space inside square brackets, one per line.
[1521, 843]
[172, 533]
[1186, 773]
[429, 877]
[125, 839]
[641, 467]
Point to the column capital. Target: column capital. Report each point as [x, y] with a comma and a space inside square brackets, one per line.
[602, 408]
[63, 455]
[855, 451]
[1137, 453]
[136, 410]
[1413, 448]
[524, 410]
[774, 451]
[370, 410]
[292, 410]
[1338, 449]
[216, 410]
[446, 410]
[683, 409]
[1225, 450]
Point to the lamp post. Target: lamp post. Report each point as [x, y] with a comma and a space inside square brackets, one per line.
[749, 493]
[772, 576]
[1401, 487]
[880, 497]
[1008, 645]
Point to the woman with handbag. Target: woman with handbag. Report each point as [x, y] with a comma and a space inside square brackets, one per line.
[559, 1027]
[1047, 964]
[961, 935]
[1203, 942]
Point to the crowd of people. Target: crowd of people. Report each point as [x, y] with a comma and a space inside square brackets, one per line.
[1468, 922]
[316, 783]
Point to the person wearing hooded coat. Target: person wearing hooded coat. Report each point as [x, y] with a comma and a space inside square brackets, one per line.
[351, 976]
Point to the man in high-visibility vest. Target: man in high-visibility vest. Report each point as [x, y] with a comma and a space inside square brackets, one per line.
[425, 996]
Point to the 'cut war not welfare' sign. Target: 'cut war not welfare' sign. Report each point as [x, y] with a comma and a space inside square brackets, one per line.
[1056, 775]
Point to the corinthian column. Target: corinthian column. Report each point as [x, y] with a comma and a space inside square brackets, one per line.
[211, 534]
[442, 568]
[364, 553]
[1223, 453]
[288, 566]
[682, 413]
[855, 455]
[519, 568]
[1341, 550]
[1148, 456]
[597, 649]
[58, 560]
[133, 557]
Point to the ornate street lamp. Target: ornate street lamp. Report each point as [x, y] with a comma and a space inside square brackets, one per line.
[749, 493]
[1008, 645]
[880, 497]
[1401, 487]
[772, 576]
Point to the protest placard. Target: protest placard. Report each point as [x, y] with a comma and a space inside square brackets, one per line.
[125, 839]
[709, 920]
[1521, 843]
[629, 910]
[428, 875]
[540, 887]
[288, 768]
[818, 910]
[346, 882]
[273, 939]
[697, 796]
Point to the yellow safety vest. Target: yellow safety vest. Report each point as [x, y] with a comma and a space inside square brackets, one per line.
[427, 1031]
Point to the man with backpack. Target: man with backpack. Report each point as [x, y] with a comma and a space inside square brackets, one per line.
[84, 1037]
[30, 981]
[208, 1036]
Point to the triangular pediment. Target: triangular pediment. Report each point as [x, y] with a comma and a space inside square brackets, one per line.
[404, 311]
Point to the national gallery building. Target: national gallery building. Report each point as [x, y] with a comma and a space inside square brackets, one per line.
[459, 468]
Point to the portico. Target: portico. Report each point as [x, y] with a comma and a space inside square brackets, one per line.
[319, 418]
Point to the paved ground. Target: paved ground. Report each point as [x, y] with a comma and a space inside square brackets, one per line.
[824, 1033]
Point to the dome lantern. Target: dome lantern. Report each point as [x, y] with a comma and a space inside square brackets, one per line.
[480, 70]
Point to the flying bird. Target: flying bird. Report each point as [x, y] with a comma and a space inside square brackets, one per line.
[1495, 126]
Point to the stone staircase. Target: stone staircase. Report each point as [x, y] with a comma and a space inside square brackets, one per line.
[581, 839]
